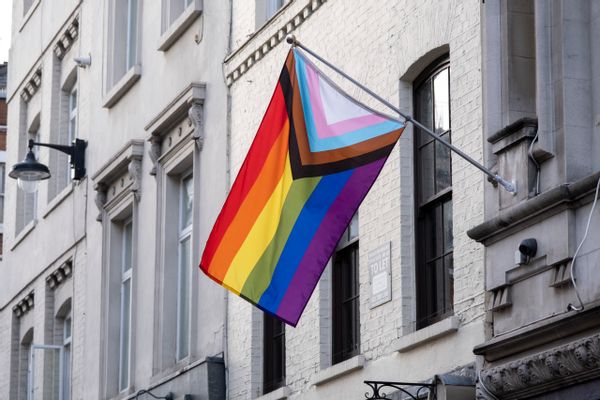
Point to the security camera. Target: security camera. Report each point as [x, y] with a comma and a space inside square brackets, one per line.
[527, 248]
[83, 61]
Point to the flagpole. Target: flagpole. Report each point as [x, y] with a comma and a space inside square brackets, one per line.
[509, 186]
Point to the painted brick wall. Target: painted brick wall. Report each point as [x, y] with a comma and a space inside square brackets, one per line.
[379, 44]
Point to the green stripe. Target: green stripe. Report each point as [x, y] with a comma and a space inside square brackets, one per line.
[261, 274]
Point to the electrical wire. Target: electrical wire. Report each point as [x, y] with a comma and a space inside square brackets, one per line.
[571, 307]
[485, 389]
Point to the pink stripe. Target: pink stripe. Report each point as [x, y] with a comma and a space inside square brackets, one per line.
[325, 130]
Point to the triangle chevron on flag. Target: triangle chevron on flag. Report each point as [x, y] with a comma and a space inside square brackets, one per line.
[315, 156]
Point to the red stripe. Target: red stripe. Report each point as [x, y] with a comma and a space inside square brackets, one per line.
[268, 131]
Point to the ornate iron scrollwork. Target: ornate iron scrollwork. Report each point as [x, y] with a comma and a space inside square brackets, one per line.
[378, 387]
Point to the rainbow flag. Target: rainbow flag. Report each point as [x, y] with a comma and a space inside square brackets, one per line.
[315, 156]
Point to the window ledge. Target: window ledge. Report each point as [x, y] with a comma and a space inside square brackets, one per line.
[58, 199]
[340, 369]
[180, 25]
[120, 88]
[278, 394]
[427, 334]
[24, 232]
[29, 13]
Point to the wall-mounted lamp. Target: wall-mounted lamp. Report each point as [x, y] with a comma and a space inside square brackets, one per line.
[29, 171]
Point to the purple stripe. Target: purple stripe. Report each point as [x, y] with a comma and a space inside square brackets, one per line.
[325, 240]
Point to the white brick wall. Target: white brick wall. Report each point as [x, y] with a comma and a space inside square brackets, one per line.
[377, 43]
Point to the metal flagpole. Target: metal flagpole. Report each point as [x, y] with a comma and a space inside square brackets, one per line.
[509, 186]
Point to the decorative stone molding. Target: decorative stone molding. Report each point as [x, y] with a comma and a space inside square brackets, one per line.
[24, 305]
[561, 274]
[60, 274]
[121, 175]
[264, 47]
[67, 38]
[32, 85]
[543, 372]
[196, 114]
[166, 129]
[499, 298]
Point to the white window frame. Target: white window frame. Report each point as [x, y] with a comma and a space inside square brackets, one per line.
[31, 368]
[66, 358]
[126, 277]
[185, 233]
[72, 123]
[131, 54]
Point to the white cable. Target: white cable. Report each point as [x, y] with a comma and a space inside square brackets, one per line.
[571, 307]
[537, 165]
[485, 389]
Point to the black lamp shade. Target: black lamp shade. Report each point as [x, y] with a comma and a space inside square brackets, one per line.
[29, 169]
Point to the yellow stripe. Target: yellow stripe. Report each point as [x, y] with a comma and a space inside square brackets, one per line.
[260, 235]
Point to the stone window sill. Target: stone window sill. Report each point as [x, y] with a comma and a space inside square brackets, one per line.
[58, 199]
[29, 13]
[427, 334]
[340, 369]
[120, 88]
[278, 394]
[24, 232]
[180, 25]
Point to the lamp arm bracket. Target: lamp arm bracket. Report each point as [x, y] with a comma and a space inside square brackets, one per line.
[65, 149]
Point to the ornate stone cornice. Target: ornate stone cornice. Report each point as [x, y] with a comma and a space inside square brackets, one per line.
[24, 305]
[196, 116]
[33, 84]
[60, 274]
[562, 366]
[67, 38]
[258, 49]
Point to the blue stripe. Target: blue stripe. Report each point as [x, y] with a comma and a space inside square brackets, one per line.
[300, 237]
[347, 139]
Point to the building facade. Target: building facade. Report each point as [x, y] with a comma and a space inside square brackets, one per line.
[100, 299]
[436, 283]
[3, 76]
[403, 298]
[541, 85]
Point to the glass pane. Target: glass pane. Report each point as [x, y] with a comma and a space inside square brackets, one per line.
[125, 334]
[132, 22]
[183, 301]
[443, 166]
[187, 202]
[442, 101]
[127, 240]
[449, 284]
[46, 386]
[176, 8]
[353, 227]
[426, 171]
[72, 101]
[67, 329]
[423, 112]
[448, 236]
[2, 170]
[67, 373]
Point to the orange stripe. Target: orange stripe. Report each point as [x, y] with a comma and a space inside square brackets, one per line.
[255, 201]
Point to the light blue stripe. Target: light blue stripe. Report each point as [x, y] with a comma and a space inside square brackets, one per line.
[330, 143]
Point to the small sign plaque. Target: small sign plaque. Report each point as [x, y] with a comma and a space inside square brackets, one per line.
[380, 275]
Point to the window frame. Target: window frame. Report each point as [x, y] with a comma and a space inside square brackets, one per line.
[425, 208]
[273, 335]
[347, 246]
[126, 278]
[185, 233]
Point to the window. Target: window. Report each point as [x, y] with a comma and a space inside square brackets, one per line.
[2, 183]
[433, 183]
[345, 296]
[186, 202]
[66, 383]
[23, 371]
[274, 354]
[124, 41]
[173, 9]
[26, 6]
[265, 9]
[27, 202]
[125, 316]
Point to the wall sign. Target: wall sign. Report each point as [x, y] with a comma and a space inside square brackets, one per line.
[380, 275]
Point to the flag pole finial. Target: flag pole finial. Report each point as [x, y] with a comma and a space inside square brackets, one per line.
[291, 39]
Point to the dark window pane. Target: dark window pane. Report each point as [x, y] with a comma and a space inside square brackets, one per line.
[426, 168]
[423, 111]
[443, 167]
[346, 305]
[274, 354]
[448, 236]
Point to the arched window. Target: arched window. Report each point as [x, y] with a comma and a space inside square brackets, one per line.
[433, 196]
